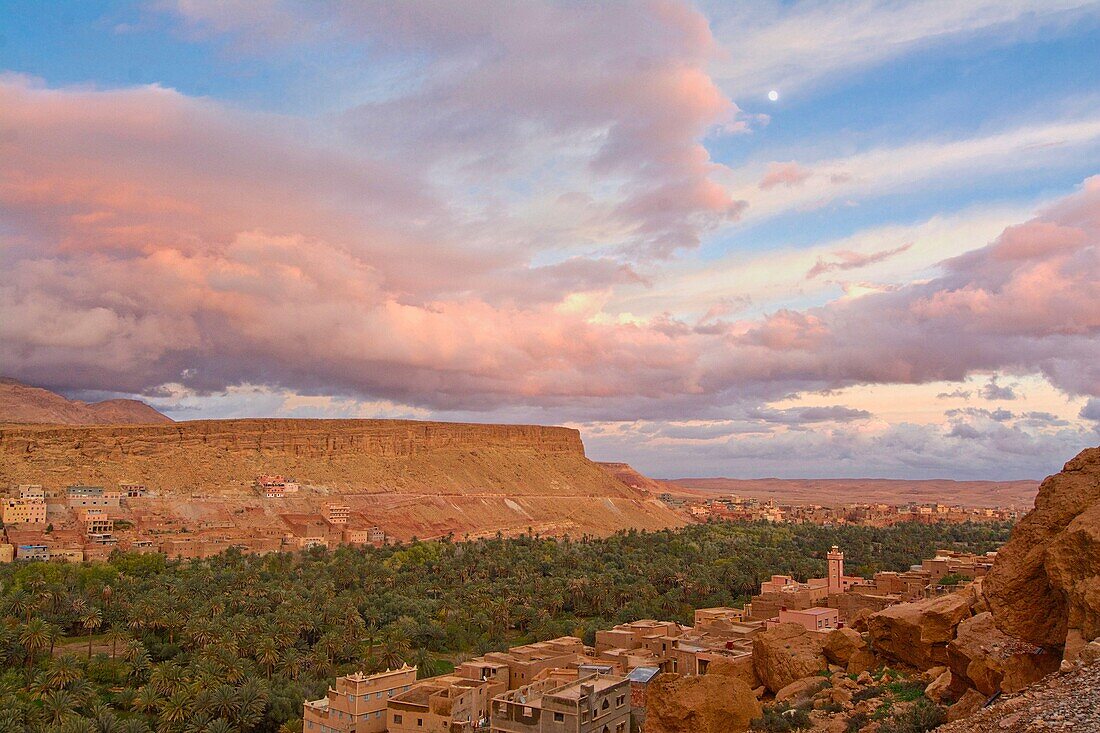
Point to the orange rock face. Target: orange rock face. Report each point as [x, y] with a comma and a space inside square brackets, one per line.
[1045, 584]
[709, 703]
[411, 478]
[787, 653]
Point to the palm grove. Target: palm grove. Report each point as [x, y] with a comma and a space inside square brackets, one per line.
[236, 643]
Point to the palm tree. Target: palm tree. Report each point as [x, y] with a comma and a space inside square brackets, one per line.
[91, 619]
[105, 719]
[176, 708]
[20, 603]
[267, 654]
[134, 725]
[77, 725]
[219, 725]
[394, 651]
[57, 705]
[148, 700]
[115, 635]
[223, 701]
[426, 664]
[35, 636]
[63, 671]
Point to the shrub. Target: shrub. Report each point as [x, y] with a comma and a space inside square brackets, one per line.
[782, 718]
[856, 722]
[906, 691]
[922, 717]
[867, 693]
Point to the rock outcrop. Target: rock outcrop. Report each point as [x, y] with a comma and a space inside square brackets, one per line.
[739, 667]
[709, 703]
[842, 644]
[787, 653]
[991, 661]
[918, 633]
[1045, 584]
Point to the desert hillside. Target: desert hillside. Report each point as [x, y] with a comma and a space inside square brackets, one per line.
[421, 478]
[829, 492]
[22, 403]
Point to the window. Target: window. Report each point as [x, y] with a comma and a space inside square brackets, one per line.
[559, 717]
[605, 705]
[396, 719]
[419, 722]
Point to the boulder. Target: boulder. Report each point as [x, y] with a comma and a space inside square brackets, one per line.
[917, 633]
[1046, 579]
[710, 703]
[947, 687]
[739, 667]
[841, 644]
[786, 653]
[970, 703]
[992, 661]
[803, 688]
[1090, 653]
[858, 621]
[862, 661]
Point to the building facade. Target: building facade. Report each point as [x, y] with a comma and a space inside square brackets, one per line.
[24, 511]
[592, 704]
[447, 704]
[357, 703]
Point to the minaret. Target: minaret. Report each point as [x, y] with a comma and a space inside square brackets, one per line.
[836, 570]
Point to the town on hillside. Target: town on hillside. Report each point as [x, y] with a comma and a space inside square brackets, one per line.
[78, 523]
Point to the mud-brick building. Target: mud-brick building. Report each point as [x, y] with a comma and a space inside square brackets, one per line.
[591, 704]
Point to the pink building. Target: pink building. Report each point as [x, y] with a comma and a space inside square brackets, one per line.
[812, 619]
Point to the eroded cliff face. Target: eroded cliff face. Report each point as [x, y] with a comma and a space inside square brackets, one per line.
[1045, 585]
[414, 478]
[361, 455]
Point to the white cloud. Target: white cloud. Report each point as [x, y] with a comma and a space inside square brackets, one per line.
[793, 46]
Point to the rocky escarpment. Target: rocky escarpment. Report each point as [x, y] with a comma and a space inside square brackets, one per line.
[358, 455]
[1045, 585]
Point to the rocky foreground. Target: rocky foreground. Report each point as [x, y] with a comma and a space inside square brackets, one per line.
[1016, 653]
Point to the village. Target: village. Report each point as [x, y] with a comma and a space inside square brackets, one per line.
[86, 523]
[748, 509]
[78, 523]
[564, 685]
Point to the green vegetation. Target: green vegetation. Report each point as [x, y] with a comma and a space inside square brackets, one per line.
[921, 717]
[236, 643]
[781, 718]
[906, 690]
[953, 579]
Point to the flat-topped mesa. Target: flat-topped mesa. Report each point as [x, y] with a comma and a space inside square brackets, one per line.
[347, 455]
[295, 436]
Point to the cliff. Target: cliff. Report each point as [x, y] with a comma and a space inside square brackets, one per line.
[423, 478]
[1045, 585]
[21, 403]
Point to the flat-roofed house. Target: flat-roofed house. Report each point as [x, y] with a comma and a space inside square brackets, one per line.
[24, 511]
[592, 704]
[357, 703]
[446, 704]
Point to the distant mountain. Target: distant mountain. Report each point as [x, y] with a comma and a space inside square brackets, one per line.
[21, 403]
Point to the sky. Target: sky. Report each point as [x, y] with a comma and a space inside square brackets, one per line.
[795, 239]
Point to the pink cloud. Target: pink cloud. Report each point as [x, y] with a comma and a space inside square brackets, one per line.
[848, 260]
[154, 236]
[789, 174]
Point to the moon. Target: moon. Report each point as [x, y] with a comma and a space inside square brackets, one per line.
[773, 95]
